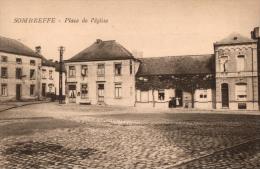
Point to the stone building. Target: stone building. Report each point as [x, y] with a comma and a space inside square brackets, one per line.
[20, 71]
[103, 73]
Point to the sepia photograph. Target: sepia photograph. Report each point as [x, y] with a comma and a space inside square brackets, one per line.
[133, 84]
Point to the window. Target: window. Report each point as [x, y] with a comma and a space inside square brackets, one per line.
[240, 63]
[118, 90]
[4, 90]
[72, 71]
[131, 67]
[223, 63]
[32, 62]
[241, 91]
[32, 74]
[161, 94]
[203, 94]
[118, 69]
[50, 87]
[84, 70]
[84, 91]
[32, 89]
[4, 72]
[101, 70]
[50, 74]
[18, 60]
[18, 73]
[43, 73]
[3, 58]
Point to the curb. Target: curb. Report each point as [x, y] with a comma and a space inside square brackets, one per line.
[13, 107]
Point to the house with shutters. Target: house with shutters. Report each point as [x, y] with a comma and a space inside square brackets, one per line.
[103, 73]
[19, 71]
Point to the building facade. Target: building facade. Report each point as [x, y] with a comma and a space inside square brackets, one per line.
[103, 73]
[20, 71]
[237, 73]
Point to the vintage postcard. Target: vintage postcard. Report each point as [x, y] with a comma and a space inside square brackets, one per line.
[130, 84]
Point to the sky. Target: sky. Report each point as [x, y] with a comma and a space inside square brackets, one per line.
[154, 27]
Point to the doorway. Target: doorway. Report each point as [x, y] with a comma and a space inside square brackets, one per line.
[100, 92]
[44, 89]
[18, 91]
[178, 98]
[72, 93]
[225, 95]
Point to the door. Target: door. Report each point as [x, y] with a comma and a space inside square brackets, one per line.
[72, 93]
[224, 95]
[18, 91]
[43, 89]
[178, 98]
[100, 92]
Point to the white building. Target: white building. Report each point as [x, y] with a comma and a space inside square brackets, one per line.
[103, 73]
[20, 71]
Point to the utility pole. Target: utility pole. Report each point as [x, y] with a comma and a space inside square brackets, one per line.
[61, 49]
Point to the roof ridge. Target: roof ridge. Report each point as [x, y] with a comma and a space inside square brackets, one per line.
[176, 56]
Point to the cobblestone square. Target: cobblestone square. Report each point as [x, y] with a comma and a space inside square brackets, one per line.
[53, 136]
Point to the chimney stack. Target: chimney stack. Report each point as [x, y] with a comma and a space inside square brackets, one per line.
[255, 33]
[38, 49]
[99, 41]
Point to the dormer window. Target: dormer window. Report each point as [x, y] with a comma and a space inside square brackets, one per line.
[223, 63]
[240, 63]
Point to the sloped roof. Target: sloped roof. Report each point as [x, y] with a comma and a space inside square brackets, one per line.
[46, 62]
[234, 38]
[15, 47]
[102, 50]
[189, 64]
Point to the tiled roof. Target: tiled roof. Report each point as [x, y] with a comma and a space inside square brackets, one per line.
[234, 38]
[102, 50]
[189, 64]
[15, 47]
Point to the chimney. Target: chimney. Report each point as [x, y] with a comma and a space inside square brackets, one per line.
[98, 41]
[255, 33]
[38, 49]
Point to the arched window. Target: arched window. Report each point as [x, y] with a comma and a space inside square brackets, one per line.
[223, 63]
[241, 91]
[240, 63]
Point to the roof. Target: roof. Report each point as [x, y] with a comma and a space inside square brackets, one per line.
[15, 47]
[46, 62]
[234, 38]
[188, 64]
[102, 50]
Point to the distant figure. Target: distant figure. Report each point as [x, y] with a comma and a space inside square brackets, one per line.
[177, 101]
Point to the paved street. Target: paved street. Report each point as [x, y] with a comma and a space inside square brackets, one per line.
[79, 136]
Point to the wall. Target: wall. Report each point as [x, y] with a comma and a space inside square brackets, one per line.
[126, 79]
[232, 76]
[11, 81]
